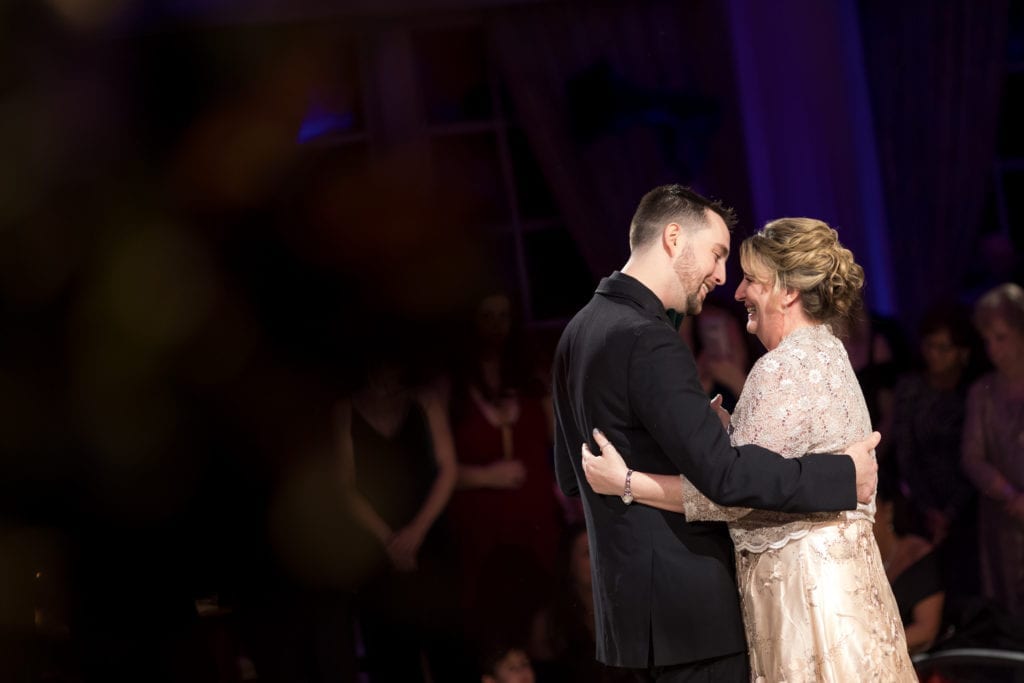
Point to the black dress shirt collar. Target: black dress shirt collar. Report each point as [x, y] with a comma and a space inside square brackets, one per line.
[618, 285]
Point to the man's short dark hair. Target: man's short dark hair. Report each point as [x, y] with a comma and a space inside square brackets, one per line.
[667, 203]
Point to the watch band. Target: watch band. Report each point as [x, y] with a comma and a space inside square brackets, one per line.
[627, 491]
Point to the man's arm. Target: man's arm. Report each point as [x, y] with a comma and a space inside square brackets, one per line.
[606, 474]
[665, 394]
[566, 439]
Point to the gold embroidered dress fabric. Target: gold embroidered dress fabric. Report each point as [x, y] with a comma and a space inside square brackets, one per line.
[817, 605]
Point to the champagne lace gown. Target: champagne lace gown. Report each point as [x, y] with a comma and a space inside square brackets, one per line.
[816, 602]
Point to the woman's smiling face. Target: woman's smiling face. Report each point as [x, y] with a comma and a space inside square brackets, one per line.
[764, 305]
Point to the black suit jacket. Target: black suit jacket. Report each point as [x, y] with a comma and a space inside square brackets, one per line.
[660, 582]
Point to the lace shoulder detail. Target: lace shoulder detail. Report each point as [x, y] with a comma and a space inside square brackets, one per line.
[801, 397]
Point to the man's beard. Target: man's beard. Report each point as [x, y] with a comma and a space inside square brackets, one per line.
[690, 280]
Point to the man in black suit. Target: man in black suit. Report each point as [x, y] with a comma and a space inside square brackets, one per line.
[665, 597]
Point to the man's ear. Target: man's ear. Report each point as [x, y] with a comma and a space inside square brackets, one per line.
[672, 238]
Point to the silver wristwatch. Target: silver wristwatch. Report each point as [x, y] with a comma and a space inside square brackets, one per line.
[627, 492]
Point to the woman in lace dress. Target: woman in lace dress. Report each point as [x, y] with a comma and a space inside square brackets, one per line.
[816, 602]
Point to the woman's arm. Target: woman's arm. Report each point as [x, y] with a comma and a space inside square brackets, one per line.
[406, 542]
[606, 474]
[500, 474]
[921, 632]
[360, 506]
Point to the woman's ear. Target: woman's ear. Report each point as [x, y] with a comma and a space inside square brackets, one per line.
[790, 296]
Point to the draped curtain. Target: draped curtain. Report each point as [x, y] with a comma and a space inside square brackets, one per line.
[666, 60]
[935, 72]
[807, 119]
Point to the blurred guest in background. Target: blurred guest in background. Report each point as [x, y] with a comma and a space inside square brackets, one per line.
[993, 445]
[505, 663]
[720, 347]
[927, 429]
[398, 468]
[878, 352]
[911, 566]
[504, 511]
[562, 644]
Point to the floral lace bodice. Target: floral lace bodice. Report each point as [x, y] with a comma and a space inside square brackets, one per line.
[800, 397]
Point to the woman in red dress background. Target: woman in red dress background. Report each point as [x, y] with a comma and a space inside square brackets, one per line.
[505, 513]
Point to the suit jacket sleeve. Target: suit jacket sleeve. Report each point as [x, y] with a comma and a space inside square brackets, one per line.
[665, 394]
[568, 443]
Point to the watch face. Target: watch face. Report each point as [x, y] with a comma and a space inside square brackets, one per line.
[627, 498]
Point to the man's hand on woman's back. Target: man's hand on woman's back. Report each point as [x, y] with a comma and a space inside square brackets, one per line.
[863, 454]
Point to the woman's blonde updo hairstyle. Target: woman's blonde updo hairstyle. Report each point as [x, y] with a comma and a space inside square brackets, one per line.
[805, 254]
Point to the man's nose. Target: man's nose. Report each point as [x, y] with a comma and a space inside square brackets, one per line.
[720, 273]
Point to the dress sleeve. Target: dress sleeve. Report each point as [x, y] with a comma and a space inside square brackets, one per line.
[699, 508]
